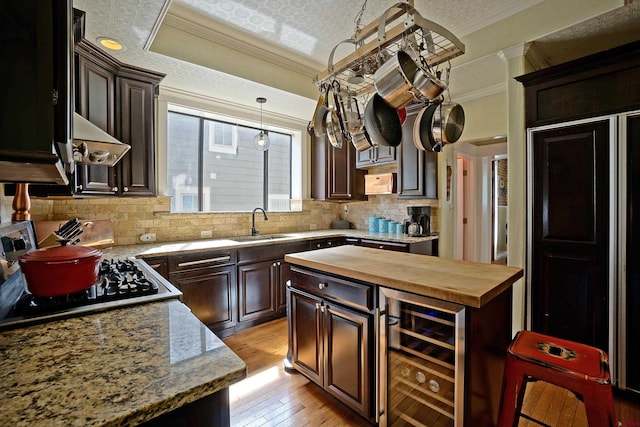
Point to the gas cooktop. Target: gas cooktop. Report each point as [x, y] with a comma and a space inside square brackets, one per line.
[120, 283]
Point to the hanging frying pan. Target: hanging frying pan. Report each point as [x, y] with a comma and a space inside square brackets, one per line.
[382, 122]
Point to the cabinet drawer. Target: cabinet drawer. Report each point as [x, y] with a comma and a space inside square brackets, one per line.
[269, 252]
[389, 246]
[358, 295]
[201, 260]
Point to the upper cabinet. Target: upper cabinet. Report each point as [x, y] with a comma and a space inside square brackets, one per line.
[333, 172]
[35, 123]
[376, 156]
[119, 99]
[417, 169]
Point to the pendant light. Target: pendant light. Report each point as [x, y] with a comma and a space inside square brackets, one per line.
[261, 141]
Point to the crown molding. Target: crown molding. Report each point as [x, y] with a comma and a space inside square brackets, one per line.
[241, 42]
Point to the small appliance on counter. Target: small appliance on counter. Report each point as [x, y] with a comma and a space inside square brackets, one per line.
[419, 223]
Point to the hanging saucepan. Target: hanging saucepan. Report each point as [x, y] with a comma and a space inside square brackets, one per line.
[448, 123]
[422, 136]
[427, 84]
[394, 80]
[382, 122]
[360, 139]
[60, 270]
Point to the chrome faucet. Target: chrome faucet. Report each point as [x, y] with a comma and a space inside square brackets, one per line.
[255, 232]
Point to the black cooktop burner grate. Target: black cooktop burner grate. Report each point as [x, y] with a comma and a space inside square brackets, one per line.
[117, 280]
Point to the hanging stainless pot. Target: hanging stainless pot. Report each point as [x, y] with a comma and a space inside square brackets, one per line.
[382, 122]
[360, 139]
[422, 136]
[448, 123]
[427, 84]
[394, 80]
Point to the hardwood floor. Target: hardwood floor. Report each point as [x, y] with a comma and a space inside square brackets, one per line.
[269, 396]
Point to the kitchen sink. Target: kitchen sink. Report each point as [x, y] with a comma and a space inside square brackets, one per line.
[259, 237]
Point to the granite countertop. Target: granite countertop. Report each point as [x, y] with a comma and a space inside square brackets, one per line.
[468, 283]
[168, 248]
[114, 368]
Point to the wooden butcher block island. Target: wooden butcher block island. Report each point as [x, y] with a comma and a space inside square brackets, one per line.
[400, 338]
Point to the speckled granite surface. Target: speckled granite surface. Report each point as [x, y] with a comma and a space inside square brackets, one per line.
[153, 249]
[115, 368]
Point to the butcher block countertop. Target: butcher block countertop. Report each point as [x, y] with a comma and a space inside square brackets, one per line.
[463, 282]
[115, 368]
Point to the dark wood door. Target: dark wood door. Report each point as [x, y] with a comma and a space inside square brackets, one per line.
[633, 254]
[257, 290]
[339, 172]
[96, 96]
[348, 356]
[210, 293]
[137, 170]
[569, 283]
[306, 335]
[417, 170]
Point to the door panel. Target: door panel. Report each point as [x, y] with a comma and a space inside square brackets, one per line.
[257, 295]
[306, 346]
[569, 288]
[633, 253]
[348, 354]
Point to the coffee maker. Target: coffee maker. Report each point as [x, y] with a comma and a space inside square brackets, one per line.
[419, 223]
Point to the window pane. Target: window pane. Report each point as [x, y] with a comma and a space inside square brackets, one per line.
[279, 195]
[182, 167]
[221, 157]
[234, 181]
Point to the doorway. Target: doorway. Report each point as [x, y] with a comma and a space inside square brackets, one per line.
[499, 209]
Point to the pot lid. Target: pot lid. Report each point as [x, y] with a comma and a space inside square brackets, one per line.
[60, 253]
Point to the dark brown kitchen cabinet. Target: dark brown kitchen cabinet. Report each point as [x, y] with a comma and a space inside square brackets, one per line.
[209, 287]
[36, 74]
[417, 170]
[119, 99]
[376, 156]
[332, 343]
[333, 172]
[258, 290]
[262, 274]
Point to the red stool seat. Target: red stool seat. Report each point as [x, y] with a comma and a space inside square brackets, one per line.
[582, 369]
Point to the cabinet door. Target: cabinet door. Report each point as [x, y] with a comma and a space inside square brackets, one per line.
[257, 290]
[348, 356]
[569, 286]
[210, 293]
[137, 168]
[306, 335]
[284, 273]
[417, 170]
[96, 103]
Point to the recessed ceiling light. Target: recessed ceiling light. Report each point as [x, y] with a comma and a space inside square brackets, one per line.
[110, 43]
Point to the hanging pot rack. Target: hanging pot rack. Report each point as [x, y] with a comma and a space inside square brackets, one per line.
[398, 27]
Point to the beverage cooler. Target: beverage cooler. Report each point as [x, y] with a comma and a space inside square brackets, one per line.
[424, 357]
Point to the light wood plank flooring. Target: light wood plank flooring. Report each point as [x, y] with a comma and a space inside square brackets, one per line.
[269, 396]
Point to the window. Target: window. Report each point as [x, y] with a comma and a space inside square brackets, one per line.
[212, 166]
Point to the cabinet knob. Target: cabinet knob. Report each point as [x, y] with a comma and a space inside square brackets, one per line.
[317, 306]
[274, 264]
[380, 247]
[114, 189]
[278, 263]
[288, 283]
[323, 285]
[329, 243]
[125, 189]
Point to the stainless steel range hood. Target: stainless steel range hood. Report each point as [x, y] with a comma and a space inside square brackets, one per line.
[93, 146]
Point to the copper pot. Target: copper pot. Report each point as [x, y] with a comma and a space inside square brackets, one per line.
[60, 270]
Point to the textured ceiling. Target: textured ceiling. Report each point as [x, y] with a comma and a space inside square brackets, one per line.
[298, 33]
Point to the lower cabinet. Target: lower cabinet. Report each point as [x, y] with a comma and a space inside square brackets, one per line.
[262, 273]
[208, 284]
[332, 345]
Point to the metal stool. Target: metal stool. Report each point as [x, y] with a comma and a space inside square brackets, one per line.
[582, 369]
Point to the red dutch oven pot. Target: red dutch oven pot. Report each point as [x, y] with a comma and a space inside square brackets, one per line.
[60, 270]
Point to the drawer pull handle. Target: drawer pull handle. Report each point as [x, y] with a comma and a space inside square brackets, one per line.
[323, 285]
[204, 261]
